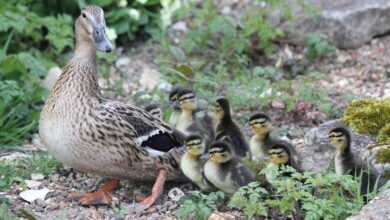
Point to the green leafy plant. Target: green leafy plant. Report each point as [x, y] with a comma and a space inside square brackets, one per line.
[199, 204]
[20, 97]
[307, 195]
[318, 46]
[5, 214]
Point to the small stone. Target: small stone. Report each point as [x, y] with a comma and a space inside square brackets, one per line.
[175, 194]
[221, 216]
[32, 195]
[341, 58]
[180, 26]
[226, 10]
[37, 176]
[32, 184]
[122, 62]
[55, 177]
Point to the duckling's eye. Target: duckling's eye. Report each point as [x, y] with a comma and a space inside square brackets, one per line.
[84, 15]
[339, 140]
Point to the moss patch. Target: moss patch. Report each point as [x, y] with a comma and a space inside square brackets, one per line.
[371, 116]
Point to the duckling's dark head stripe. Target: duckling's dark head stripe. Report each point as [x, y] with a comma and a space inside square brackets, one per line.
[279, 148]
[174, 92]
[219, 147]
[257, 121]
[193, 137]
[186, 97]
[260, 116]
[341, 130]
[336, 134]
[183, 92]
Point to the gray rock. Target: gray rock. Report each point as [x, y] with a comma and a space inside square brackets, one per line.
[348, 23]
[317, 154]
[376, 209]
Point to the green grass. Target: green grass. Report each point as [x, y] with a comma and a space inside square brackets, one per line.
[20, 169]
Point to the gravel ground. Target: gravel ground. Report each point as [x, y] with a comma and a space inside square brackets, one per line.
[360, 72]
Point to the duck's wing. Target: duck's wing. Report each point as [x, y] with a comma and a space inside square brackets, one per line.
[149, 132]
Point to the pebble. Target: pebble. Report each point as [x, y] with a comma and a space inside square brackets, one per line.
[37, 176]
[32, 195]
[176, 194]
[32, 184]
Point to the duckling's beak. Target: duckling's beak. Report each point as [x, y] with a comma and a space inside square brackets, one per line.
[246, 128]
[175, 104]
[100, 39]
[205, 156]
[324, 140]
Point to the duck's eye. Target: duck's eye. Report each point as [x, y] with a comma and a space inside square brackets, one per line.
[84, 15]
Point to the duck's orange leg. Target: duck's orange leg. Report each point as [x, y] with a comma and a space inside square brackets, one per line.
[157, 188]
[100, 197]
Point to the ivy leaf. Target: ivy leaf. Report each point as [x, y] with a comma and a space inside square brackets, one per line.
[185, 70]
[178, 54]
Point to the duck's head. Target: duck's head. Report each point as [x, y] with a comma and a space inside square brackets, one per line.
[195, 145]
[155, 110]
[260, 124]
[222, 109]
[173, 100]
[220, 152]
[91, 27]
[340, 138]
[279, 154]
[187, 99]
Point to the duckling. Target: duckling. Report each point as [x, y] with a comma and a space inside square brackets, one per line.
[90, 133]
[188, 123]
[174, 103]
[281, 154]
[262, 141]
[228, 130]
[155, 110]
[225, 170]
[192, 164]
[346, 164]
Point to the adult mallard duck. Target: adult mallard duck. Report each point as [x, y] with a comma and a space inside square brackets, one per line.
[90, 133]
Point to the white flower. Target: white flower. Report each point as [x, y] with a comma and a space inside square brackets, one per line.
[142, 1]
[111, 34]
[134, 14]
[122, 3]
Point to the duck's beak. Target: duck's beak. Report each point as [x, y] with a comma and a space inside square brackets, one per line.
[205, 156]
[246, 128]
[324, 140]
[175, 104]
[100, 39]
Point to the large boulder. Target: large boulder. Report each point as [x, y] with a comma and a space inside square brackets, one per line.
[317, 154]
[376, 209]
[348, 23]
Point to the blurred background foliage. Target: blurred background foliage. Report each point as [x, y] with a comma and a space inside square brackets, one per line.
[37, 35]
